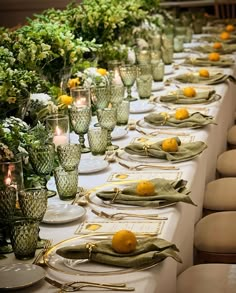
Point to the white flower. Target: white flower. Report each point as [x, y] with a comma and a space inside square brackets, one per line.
[41, 97]
[6, 130]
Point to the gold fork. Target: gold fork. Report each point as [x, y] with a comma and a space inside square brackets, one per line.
[120, 216]
[144, 166]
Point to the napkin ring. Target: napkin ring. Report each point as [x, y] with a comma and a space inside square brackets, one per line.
[90, 247]
[146, 147]
[117, 192]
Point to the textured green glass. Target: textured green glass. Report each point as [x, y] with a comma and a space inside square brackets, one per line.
[117, 93]
[123, 113]
[33, 202]
[80, 119]
[197, 26]
[101, 96]
[155, 55]
[69, 156]
[24, 238]
[167, 55]
[178, 44]
[167, 41]
[144, 86]
[7, 202]
[42, 159]
[158, 70]
[155, 41]
[144, 69]
[97, 138]
[143, 56]
[128, 74]
[66, 183]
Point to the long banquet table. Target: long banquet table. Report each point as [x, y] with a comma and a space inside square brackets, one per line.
[179, 228]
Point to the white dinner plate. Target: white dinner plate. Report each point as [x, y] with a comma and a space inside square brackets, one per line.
[92, 165]
[18, 276]
[63, 213]
[157, 86]
[118, 132]
[180, 55]
[140, 106]
[169, 69]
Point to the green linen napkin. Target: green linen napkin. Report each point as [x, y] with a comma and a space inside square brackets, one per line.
[194, 120]
[148, 251]
[213, 39]
[186, 151]
[166, 191]
[204, 61]
[211, 80]
[177, 97]
[226, 49]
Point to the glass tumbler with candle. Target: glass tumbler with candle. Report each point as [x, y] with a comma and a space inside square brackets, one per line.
[81, 97]
[113, 67]
[58, 125]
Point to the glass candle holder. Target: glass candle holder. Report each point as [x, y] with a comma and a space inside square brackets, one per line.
[143, 56]
[167, 55]
[33, 202]
[128, 75]
[123, 113]
[7, 202]
[97, 138]
[158, 70]
[24, 238]
[69, 156]
[113, 67]
[144, 86]
[117, 93]
[58, 125]
[80, 119]
[81, 97]
[66, 183]
[11, 174]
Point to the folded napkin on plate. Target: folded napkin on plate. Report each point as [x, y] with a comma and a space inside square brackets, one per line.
[186, 151]
[197, 79]
[226, 49]
[166, 191]
[213, 39]
[204, 61]
[194, 120]
[177, 97]
[148, 251]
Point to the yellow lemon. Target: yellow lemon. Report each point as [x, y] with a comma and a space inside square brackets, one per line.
[217, 45]
[66, 100]
[230, 28]
[204, 72]
[214, 56]
[102, 71]
[73, 82]
[124, 241]
[181, 113]
[189, 92]
[145, 187]
[225, 36]
[169, 145]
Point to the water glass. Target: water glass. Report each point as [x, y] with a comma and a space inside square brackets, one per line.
[7, 202]
[101, 96]
[167, 55]
[24, 235]
[158, 70]
[58, 126]
[69, 156]
[144, 69]
[143, 56]
[33, 202]
[189, 35]
[197, 26]
[97, 138]
[167, 41]
[178, 44]
[128, 74]
[155, 41]
[144, 86]
[66, 183]
[123, 113]
[117, 93]
[155, 55]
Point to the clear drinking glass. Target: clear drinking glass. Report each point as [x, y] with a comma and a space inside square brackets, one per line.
[123, 113]
[80, 119]
[128, 75]
[66, 183]
[11, 174]
[69, 156]
[97, 138]
[158, 70]
[107, 119]
[33, 202]
[24, 237]
[144, 86]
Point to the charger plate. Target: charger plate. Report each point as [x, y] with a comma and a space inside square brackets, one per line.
[84, 266]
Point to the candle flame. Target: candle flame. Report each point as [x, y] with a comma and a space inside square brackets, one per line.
[58, 131]
[8, 179]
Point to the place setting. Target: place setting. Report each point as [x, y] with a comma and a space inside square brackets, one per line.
[213, 59]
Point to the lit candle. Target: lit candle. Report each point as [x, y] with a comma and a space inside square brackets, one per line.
[80, 103]
[117, 78]
[59, 137]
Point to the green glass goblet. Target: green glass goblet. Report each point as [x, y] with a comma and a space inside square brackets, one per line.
[107, 119]
[69, 156]
[101, 96]
[117, 94]
[128, 74]
[80, 119]
[42, 161]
